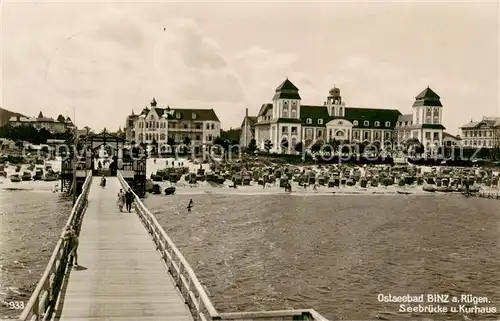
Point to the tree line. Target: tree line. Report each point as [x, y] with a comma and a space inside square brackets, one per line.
[31, 134]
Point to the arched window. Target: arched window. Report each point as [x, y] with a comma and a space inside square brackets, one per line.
[377, 124]
[366, 123]
[387, 124]
[320, 121]
[355, 123]
[162, 136]
[308, 121]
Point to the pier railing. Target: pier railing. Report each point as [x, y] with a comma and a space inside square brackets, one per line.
[188, 284]
[46, 293]
[190, 287]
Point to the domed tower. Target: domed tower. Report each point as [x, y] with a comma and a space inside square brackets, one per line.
[334, 103]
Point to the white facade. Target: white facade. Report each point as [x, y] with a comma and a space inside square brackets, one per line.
[155, 124]
[484, 133]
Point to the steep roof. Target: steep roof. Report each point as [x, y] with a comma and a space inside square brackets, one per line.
[427, 97]
[427, 93]
[372, 115]
[450, 136]
[315, 113]
[251, 121]
[286, 90]
[476, 124]
[405, 118]
[263, 109]
[287, 85]
[184, 114]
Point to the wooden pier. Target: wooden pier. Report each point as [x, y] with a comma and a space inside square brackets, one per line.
[129, 269]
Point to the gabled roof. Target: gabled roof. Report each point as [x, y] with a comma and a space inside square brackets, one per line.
[427, 97]
[264, 108]
[450, 136]
[251, 121]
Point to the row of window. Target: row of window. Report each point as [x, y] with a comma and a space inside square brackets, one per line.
[480, 133]
[155, 124]
[366, 123]
[293, 113]
[487, 143]
[162, 137]
[308, 133]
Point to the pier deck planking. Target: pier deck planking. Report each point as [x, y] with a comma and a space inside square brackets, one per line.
[122, 275]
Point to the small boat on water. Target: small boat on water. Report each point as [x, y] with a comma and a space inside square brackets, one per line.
[170, 190]
[15, 178]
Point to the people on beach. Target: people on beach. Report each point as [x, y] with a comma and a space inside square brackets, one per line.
[121, 200]
[72, 239]
[190, 205]
[129, 199]
[103, 181]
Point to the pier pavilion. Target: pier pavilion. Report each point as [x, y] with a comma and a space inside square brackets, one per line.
[129, 270]
[88, 150]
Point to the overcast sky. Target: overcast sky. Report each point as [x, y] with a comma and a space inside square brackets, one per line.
[105, 59]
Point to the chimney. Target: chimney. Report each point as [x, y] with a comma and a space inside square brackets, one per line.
[246, 112]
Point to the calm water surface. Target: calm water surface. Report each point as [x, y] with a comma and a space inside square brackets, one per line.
[336, 253]
[30, 225]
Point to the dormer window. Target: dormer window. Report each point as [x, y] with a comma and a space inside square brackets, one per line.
[387, 124]
[178, 115]
[366, 123]
[193, 115]
[309, 121]
[355, 123]
[377, 124]
[285, 103]
[320, 121]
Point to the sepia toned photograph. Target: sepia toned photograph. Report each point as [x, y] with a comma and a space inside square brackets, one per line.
[249, 160]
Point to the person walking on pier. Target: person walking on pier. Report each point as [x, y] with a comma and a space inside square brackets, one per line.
[72, 238]
[121, 200]
[129, 199]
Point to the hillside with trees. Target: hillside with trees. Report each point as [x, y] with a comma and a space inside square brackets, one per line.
[5, 115]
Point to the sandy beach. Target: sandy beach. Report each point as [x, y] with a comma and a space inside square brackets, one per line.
[184, 188]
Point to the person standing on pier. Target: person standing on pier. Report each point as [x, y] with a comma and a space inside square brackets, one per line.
[72, 238]
[129, 199]
[121, 200]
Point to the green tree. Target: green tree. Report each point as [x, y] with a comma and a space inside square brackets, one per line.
[252, 146]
